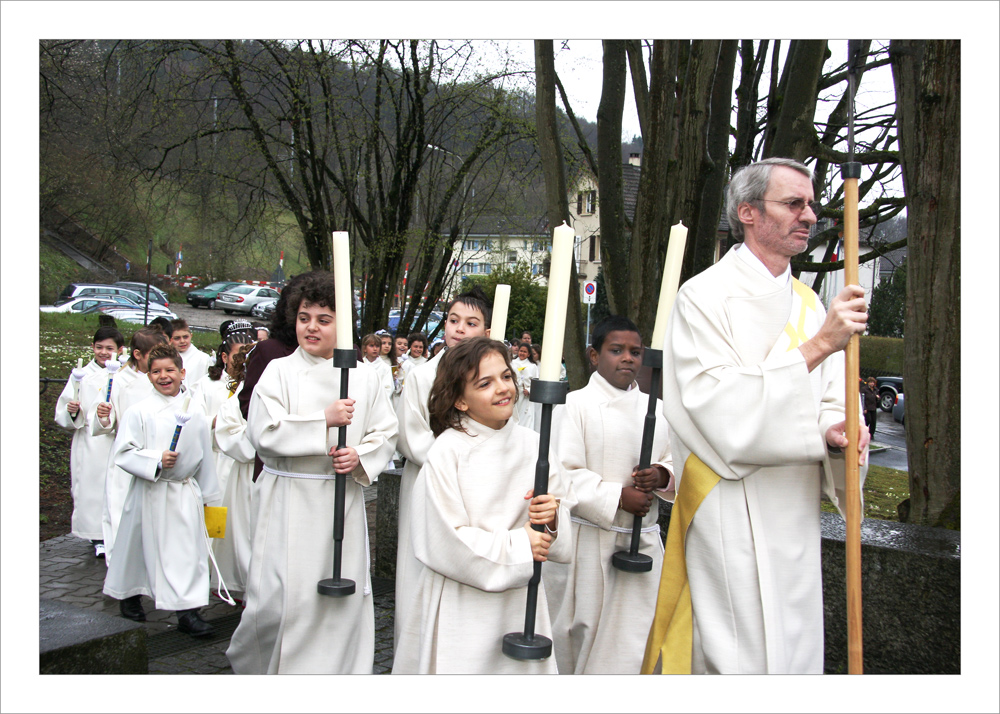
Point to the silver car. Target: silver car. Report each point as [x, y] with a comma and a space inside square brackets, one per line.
[244, 297]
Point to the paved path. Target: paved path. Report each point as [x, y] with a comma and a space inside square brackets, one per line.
[69, 572]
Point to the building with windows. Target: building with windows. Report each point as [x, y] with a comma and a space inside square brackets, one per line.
[493, 241]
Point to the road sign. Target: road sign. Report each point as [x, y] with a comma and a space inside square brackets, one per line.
[589, 292]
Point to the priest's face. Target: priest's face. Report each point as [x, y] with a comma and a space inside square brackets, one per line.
[777, 232]
[619, 359]
[105, 350]
[166, 376]
[489, 396]
[316, 329]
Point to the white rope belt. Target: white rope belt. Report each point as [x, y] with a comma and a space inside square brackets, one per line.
[330, 477]
[289, 474]
[655, 528]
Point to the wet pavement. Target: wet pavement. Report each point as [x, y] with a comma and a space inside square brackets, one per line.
[70, 573]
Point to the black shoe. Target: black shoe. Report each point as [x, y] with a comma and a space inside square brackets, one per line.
[190, 622]
[131, 608]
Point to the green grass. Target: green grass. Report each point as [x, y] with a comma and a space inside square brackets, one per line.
[884, 490]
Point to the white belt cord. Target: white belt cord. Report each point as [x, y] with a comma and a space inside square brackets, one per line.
[655, 528]
[222, 583]
[330, 477]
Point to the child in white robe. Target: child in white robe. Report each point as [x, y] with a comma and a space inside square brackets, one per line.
[601, 615]
[474, 506]
[196, 362]
[88, 453]
[129, 386]
[162, 547]
[295, 412]
[467, 316]
[526, 370]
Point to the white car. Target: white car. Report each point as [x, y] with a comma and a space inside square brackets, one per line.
[264, 309]
[244, 297]
[89, 303]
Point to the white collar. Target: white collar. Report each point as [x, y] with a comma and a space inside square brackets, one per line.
[754, 262]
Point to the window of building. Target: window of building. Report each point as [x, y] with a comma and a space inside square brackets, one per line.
[593, 248]
[536, 268]
[485, 268]
[586, 203]
[470, 245]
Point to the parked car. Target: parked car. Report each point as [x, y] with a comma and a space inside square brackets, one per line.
[78, 289]
[432, 321]
[888, 388]
[264, 309]
[243, 298]
[205, 297]
[155, 294]
[897, 409]
[86, 303]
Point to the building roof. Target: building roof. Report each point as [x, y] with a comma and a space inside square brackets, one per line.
[630, 188]
[502, 225]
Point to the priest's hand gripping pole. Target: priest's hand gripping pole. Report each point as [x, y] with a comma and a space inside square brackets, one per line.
[338, 586]
[631, 560]
[527, 645]
[851, 172]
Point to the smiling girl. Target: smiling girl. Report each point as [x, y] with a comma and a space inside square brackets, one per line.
[473, 507]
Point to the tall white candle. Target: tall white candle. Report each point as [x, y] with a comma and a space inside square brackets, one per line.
[79, 362]
[344, 308]
[501, 301]
[556, 303]
[669, 283]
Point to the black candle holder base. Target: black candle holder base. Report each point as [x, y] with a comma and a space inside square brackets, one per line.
[335, 587]
[632, 563]
[345, 359]
[517, 645]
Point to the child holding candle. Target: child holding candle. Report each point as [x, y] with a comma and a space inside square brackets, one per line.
[467, 316]
[161, 549]
[129, 387]
[88, 453]
[600, 615]
[295, 412]
[473, 506]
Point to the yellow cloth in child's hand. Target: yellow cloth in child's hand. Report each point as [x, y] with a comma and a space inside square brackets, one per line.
[215, 521]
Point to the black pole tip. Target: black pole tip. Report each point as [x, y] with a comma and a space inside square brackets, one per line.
[850, 170]
[517, 646]
[345, 359]
[632, 562]
[335, 588]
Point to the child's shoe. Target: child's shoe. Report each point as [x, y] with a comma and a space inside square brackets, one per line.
[190, 622]
[131, 608]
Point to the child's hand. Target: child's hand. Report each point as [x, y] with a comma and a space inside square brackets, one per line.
[540, 541]
[73, 407]
[649, 479]
[345, 460]
[635, 501]
[104, 413]
[542, 509]
[168, 459]
[340, 413]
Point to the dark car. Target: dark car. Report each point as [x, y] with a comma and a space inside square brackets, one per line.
[888, 388]
[205, 297]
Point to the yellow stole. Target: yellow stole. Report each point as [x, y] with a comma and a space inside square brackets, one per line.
[669, 644]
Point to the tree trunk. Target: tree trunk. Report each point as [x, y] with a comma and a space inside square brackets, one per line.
[927, 76]
[609, 169]
[791, 132]
[557, 206]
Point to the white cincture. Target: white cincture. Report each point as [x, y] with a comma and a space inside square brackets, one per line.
[617, 529]
[222, 583]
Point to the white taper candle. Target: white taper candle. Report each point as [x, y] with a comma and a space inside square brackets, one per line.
[501, 301]
[669, 283]
[344, 308]
[556, 303]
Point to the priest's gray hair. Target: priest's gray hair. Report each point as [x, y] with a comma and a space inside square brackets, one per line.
[749, 185]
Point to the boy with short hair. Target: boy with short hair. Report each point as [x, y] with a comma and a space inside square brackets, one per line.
[196, 362]
[161, 549]
[89, 452]
[601, 616]
[295, 411]
[467, 316]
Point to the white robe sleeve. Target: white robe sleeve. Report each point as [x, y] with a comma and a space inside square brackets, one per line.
[231, 432]
[752, 415]
[63, 418]
[378, 442]
[596, 499]
[277, 433]
[444, 541]
[130, 451]
[415, 435]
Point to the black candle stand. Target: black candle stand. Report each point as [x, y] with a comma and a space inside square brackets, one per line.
[631, 560]
[527, 645]
[338, 586]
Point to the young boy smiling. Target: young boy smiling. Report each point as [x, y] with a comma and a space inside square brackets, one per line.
[467, 316]
[161, 549]
[600, 616]
[295, 411]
